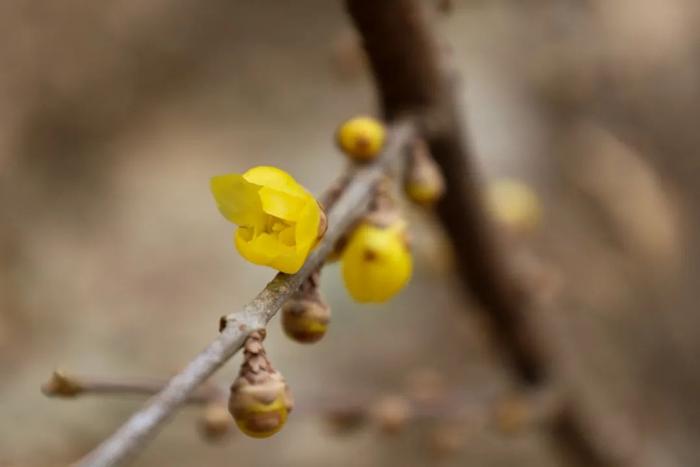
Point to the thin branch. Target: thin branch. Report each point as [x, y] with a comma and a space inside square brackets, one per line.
[134, 434]
[67, 386]
[497, 408]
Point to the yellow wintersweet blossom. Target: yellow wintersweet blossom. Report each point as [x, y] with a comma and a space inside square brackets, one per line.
[514, 204]
[376, 262]
[278, 221]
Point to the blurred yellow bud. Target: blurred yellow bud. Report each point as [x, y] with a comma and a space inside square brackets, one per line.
[447, 439]
[216, 421]
[514, 204]
[279, 222]
[512, 415]
[361, 138]
[392, 413]
[260, 408]
[345, 420]
[423, 181]
[305, 320]
[376, 262]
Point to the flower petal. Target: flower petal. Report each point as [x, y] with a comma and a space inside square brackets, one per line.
[275, 178]
[237, 199]
[307, 225]
[289, 262]
[287, 236]
[262, 249]
[281, 204]
[266, 250]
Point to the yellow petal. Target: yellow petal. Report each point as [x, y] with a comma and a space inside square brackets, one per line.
[267, 250]
[307, 225]
[290, 261]
[287, 236]
[281, 204]
[275, 178]
[261, 249]
[376, 264]
[237, 199]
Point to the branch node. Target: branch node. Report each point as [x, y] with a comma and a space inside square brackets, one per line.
[61, 385]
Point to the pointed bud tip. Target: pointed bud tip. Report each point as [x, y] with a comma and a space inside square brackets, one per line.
[61, 385]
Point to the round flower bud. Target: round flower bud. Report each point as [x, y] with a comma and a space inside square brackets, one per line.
[376, 262]
[305, 320]
[260, 405]
[392, 413]
[423, 181]
[215, 422]
[515, 205]
[447, 439]
[345, 420]
[512, 415]
[361, 138]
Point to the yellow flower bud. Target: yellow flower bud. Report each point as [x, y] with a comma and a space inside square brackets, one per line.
[423, 181]
[514, 204]
[376, 262]
[447, 439]
[392, 413]
[512, 415]
[260, 408]
[345, 420]
[305, 320]
[260, 400]
[361, 138]
[215, 422]
[279, 222]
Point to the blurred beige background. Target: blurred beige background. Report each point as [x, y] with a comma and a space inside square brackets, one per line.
[115, 262]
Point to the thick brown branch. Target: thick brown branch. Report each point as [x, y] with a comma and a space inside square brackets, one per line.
[133, 435]
[411, 78]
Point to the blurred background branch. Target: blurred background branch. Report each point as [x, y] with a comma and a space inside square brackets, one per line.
[411, 77]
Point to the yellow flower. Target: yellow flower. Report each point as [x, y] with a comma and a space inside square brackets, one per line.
[361, 138]
[376, 262]
[278, 221]
[514, 204]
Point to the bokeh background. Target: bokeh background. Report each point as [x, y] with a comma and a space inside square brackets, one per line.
[115, 262]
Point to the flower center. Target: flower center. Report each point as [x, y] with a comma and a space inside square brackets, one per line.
[281, 229]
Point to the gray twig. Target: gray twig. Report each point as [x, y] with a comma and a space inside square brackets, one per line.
[69, 386]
